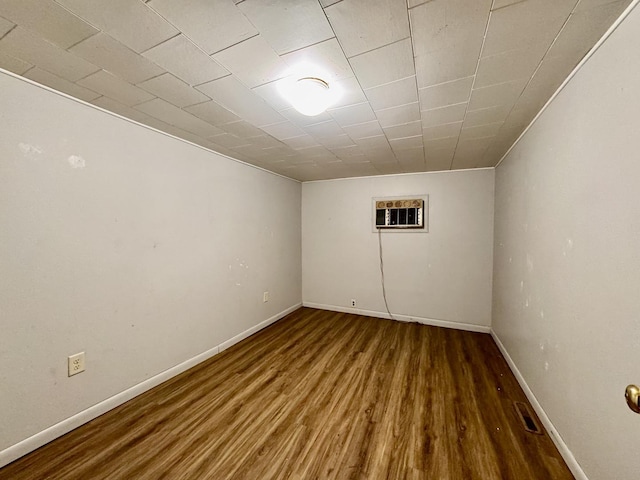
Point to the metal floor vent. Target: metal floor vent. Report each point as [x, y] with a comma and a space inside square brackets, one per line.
[528, 420]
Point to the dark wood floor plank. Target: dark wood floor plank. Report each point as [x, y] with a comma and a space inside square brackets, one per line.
[319, 395]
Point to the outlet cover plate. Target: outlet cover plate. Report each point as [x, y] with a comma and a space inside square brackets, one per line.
[76, 363]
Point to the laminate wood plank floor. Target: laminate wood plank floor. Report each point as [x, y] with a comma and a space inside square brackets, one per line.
[318, 395]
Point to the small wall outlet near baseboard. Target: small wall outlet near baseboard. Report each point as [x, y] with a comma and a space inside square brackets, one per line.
[353, 302]
[265, 297]
[76, 363]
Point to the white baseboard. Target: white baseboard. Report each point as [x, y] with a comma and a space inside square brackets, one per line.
[402, 318]
[562, 447]
[247, 333]
[30, 444]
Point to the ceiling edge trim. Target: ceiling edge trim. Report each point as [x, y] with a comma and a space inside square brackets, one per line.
[401, 174]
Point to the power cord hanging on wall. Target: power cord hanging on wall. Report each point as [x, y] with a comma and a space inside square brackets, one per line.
[384, 291]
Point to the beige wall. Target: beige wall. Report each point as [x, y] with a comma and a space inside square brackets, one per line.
[141, 250]
[567, 257]
[442, 275]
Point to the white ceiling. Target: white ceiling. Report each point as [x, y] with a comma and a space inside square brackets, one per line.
[428, 84]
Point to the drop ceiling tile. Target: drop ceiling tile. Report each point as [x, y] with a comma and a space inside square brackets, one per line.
[385, 64]
[186, 61]
[252, 61]
[583, 30]
[48, 19]
[113, 87]
[113, 56]
[413, 155]
[242, 129]
[481, 131]
[439, 144]
[496, 94]
[362, 25]
[439, 160]
[326, 129]
[389, 117]
[327, 57]
[588, 4]
[504, 3]
[212, 25]
[523, 25]
[326, 3]
[366, 129]
[303, 141]
[406, 143]
[375, 143]
[288, 25]
[388, 168]
[444, 94]
[270, 93]
[212, 113]
[314, 151]
[442, 131]
[351, 92]
[251, 151]
[60, 84]
[177, 117]
[405, 130]
[336, 141]
[445, 66]
[116, 107]
[508, 66]
[265, 141]
[13, 64]
[228, 140]
[485, 116]
[349, 151]
[548, 77]
[173, 90]
[131, 22]
[242, 101]
[5, 26]
[22, 44]
[283, 130]
[393, 94]
[439, 25]
[352, 114]
[303, 120]
[470, 153]
[442, 115]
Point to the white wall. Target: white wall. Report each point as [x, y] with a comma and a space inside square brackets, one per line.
[567, 257]
[149, 254]
[442, 275]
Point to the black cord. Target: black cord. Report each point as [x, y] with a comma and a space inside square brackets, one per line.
[384, 291]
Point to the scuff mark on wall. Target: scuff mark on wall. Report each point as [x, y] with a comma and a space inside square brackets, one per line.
[76, 161]
[30, 150]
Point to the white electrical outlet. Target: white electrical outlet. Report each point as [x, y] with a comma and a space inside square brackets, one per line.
[76, 363]
[265, 297]
[353, 302]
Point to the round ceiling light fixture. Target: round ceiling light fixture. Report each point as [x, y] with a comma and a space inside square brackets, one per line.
[306, 90]
[310, 96]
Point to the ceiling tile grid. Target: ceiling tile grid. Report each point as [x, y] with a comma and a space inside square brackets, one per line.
[426, 84]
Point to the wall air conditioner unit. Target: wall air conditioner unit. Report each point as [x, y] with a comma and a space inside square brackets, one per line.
[401, 213]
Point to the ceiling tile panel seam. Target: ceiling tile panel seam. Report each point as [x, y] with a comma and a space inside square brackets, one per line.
[340, 44]
[8, 31]
[484, 37]
[192, 40]
[536, 69]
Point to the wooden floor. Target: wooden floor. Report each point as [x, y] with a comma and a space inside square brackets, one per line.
[319, 395]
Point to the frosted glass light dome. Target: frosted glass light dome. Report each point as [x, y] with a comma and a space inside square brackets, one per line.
[310, 96]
